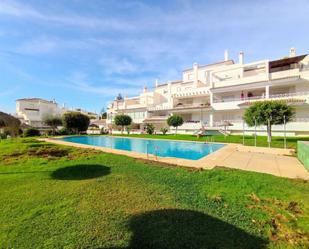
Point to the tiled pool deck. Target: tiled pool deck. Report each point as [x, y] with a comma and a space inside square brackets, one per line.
[277, 162]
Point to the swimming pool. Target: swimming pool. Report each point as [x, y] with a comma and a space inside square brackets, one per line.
[162, 148]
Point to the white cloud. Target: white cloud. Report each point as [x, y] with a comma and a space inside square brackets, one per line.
[118, 66]
[79, 81]
[20, 10]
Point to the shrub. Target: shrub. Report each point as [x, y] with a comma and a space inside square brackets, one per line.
[175, 121]
[76, 122]
[149, 128]
[3, 136]
[164, 130]
[64, 131]
[53, 122]
[103, 131]
[31, 132]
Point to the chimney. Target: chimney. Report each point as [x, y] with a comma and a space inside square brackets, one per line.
[195, 73]
[226, 55]
[157, 83]
[241, 57]
[292, 52]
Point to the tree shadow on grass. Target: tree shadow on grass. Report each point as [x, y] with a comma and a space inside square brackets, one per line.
[175, 229]
[80, 172]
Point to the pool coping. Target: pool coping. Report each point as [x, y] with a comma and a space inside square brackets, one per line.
[207, 162]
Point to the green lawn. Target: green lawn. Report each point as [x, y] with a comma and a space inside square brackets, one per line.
[277, 142]
[61, 197]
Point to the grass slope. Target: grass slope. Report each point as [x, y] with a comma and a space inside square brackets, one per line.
[60, 197]
[277, 142]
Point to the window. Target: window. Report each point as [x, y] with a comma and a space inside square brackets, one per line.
[190, 76]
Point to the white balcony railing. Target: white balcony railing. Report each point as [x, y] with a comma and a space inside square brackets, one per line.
[284, 74]
[202, 91]
[272, 96]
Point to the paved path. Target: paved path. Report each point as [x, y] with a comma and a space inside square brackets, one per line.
[264, 160]
[285, 166]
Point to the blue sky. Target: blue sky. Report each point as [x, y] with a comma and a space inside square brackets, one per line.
[84, 52]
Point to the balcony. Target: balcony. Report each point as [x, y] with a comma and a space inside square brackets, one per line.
[294, 98]
[179, 107]
[271, 97]
[189, 125]
[202, 91]
[191, 106]
[161, 107]
[258, 76]
[291, 73]
[126, 106]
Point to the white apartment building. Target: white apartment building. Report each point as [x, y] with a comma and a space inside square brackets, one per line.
[209, 95]
[31, 111]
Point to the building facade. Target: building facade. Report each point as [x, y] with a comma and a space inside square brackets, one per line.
[31, 111]
[210, 95]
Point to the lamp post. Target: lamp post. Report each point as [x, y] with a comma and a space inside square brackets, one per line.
[284, 125]
[269, 131]
[255, 131]
[243, 132]
[201, 115]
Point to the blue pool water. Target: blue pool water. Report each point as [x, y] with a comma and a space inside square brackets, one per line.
[162, 148]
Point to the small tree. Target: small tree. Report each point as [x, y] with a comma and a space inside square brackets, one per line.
[103, 114]
[122, 120]
[149, 128]
[175, 121]
[268, 113]
[76, 121]
[53, 122]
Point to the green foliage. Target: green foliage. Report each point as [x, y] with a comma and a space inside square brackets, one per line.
[262, 111]
[31, 132]
[122, 120]
[11, 124]
[53, 122]
[2, 123]
[76, 122]
[64, 131]
[164, 130]
[3, 136]
[149, 128]
[175, 121]
[56, 195]
[103, 131]
[268, 113]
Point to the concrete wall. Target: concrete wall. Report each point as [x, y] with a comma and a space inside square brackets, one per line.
[303, 153]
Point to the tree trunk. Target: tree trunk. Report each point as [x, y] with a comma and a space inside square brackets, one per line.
[269, 133]
[176, 130]
[122, 130]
